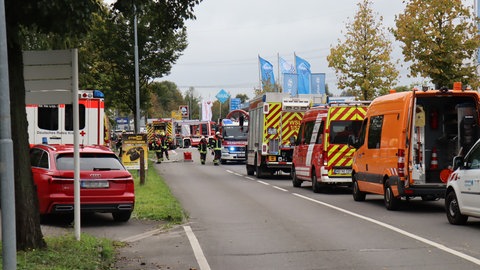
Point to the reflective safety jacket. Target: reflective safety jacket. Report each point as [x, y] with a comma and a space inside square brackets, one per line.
[217, 143]
[202, 146]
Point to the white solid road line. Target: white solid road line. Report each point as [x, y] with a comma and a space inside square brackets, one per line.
[197, 250]
[137, 237]
[398, 230]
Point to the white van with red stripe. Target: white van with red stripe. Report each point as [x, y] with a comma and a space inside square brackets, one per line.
[53, 123]
[321, 154]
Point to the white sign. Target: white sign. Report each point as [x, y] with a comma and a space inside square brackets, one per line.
[48, 76]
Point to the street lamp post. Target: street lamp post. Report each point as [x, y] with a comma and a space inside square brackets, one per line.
[137, 87]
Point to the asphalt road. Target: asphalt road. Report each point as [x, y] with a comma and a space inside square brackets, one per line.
[241, 222]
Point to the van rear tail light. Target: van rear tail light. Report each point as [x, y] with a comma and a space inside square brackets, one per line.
[325, 159]
[401, 163]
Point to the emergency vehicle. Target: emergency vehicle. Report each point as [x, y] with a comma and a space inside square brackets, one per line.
[234, 132]
[274, 120]
[164, 126]
[462, 199]
[53, 123]
[408, 140]
[321, 153]
[190, 132]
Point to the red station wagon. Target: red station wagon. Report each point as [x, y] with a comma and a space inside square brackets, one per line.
[105, 185]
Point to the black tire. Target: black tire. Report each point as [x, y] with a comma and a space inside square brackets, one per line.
[295, 181]
[391, 203]
[259, 171]
[123, 216]
[454, 215]
[223, 161]
[316, 187]
[358, 195]
[250, 169]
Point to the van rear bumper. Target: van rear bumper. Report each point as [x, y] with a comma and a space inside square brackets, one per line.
[336, 180]
[437, 190]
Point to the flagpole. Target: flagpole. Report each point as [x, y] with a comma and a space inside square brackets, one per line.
[278, 72]
[260, 73]
[296, 70]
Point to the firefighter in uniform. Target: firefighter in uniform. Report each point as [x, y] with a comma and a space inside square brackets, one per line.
[157, 147]
[202, 148]
[217, 148]
[164, 145]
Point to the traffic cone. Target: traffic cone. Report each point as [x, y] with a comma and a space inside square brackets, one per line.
[434, 160]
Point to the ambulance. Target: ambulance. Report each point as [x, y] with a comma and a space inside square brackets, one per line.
[53, 123]
[321, 154]
[408, 141]
[274, 120]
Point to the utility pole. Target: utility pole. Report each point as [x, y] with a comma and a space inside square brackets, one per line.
[9, 242]
[137, 86]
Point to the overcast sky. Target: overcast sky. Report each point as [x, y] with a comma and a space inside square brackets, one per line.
[228, 35]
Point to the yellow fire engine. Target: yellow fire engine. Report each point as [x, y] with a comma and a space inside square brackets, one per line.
[274, 120]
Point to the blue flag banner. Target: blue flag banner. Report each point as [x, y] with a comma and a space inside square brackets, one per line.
[318, 83]
[266, 69]
[285, 67]
[303, 71]
[290, 83]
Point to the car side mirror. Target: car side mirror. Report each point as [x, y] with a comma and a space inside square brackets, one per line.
[352, 141]
[458, 162]
[293, 139]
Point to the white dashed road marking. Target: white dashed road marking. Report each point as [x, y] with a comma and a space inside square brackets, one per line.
[279, 188]
[398, 230]
[385, 225]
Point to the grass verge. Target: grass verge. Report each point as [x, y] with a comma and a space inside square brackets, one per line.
[65, 252]
[154, 200]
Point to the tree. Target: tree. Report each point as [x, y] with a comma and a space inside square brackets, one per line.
[243, 97]
[267, 86]
[161, 36]
[219, 110]
[46, 16]
[192, 100]
[69, 20]
[362, 62]
[440, 38]
[165, 97]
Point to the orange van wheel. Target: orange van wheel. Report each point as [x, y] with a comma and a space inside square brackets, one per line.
[358, 195]
[391, 202]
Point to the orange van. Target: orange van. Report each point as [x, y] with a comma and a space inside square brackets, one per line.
[408, 140]
[321, 154]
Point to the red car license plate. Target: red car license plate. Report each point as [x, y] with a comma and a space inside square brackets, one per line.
[94, 184]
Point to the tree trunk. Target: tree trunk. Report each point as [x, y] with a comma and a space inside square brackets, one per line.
[28, 230]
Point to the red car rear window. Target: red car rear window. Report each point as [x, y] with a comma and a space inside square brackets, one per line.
[89, 162]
